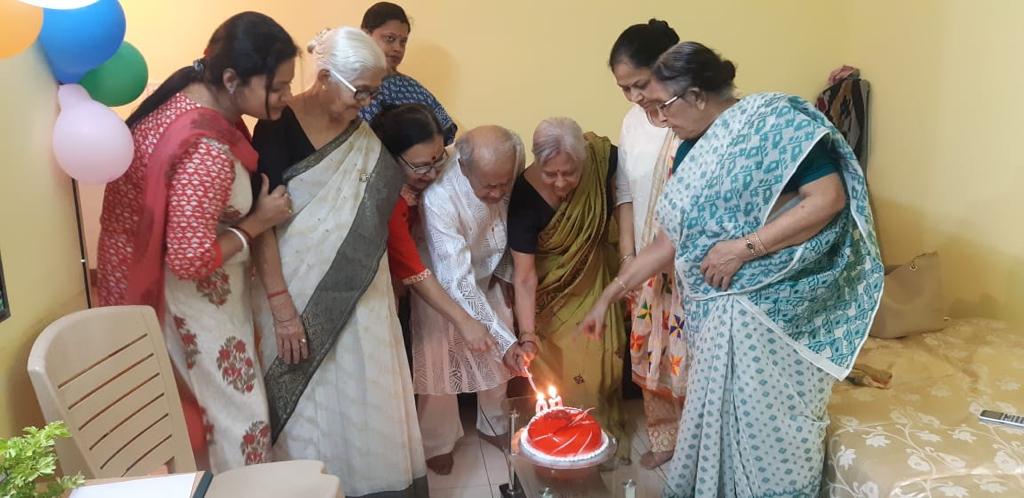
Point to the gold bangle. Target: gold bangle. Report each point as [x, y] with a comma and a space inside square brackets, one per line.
[762, 250]
[624, 258]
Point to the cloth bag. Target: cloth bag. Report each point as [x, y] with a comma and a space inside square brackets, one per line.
[912, 301]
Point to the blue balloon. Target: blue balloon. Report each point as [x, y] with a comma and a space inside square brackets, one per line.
[77, 41]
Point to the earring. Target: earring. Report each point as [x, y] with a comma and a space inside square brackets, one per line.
[231, 90]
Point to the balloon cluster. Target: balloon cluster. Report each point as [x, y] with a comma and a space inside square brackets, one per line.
[83, 41]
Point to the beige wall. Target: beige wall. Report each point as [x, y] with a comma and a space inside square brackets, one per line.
[515, 63]
[944, 116]
[38, 230]
[945, 122]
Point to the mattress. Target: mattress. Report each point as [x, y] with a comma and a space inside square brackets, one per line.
[921, 437]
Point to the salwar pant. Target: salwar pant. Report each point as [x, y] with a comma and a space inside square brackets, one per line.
[662, 414]
[441, 427]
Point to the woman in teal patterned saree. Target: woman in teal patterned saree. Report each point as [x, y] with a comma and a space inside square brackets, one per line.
[769, 228]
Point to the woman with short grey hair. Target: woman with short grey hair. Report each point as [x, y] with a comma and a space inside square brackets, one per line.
[560, 232]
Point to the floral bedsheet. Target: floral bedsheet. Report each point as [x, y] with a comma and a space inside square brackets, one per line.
[922, 437]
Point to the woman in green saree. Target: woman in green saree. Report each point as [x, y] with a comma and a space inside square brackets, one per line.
[561, 234]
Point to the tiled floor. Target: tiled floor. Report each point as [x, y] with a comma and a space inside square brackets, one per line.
[480, 468]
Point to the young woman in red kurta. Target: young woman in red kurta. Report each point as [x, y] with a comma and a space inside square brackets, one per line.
[176, 228]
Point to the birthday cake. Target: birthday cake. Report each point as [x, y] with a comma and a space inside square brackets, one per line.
[564, 435]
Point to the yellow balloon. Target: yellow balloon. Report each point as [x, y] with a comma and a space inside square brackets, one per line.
[19, 26]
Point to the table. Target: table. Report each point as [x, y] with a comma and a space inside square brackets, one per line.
[543, 483]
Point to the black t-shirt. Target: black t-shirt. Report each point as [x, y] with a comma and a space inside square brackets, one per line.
[529, 213]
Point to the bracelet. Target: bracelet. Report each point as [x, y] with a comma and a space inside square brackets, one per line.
[285, 321]
[244, 232]
[241, 237]
[624, 258]
[754, 245]
[529, 337]
[760, 245]
[272, 295]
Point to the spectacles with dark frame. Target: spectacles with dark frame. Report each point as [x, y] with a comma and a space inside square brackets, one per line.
[360, 94]
[420, 170]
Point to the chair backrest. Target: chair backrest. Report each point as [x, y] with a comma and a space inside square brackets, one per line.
[106, 373]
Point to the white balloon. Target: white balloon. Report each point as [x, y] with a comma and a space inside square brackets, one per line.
[59, 4]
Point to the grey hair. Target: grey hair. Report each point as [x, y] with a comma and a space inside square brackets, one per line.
[347, 52]
[557, 135]
[511, 144]
[692, 65]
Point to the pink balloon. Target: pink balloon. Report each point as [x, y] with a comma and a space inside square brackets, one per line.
[90, 142]
[72, 95]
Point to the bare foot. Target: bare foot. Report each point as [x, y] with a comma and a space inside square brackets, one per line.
[654, 459]
[441, 464]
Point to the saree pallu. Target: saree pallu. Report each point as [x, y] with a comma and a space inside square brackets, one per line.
[765, 353]
[350, 404]
[576, 260]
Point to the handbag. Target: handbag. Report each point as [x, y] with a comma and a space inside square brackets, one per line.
[912, 300]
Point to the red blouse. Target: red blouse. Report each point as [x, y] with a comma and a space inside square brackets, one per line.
[403, 256]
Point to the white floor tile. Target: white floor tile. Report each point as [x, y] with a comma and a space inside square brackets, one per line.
[469, 470]
[470, 492]
[497, 466]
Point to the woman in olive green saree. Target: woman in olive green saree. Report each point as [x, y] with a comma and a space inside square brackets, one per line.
[561, 233]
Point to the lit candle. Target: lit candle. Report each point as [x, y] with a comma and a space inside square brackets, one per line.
[555, 399]
[541, 405]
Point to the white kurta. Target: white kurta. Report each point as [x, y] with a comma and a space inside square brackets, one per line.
[641, 146]
[465, 244]
[357, 414]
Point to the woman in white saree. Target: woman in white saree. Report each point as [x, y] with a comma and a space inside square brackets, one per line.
[337, 377]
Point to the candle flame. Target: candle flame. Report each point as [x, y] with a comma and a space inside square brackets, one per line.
[540, 397]
[552, 392]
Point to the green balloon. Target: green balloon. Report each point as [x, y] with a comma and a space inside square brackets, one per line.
[120, 80]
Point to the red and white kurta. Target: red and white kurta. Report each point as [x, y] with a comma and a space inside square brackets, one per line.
[207, 319]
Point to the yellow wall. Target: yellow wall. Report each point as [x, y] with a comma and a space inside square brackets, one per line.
[945, 116]
[944, 73]
[946, 120]
[38, 230]
[515, 63]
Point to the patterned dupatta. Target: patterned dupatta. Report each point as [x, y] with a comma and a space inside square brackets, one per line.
[145, 273]
[820, 296]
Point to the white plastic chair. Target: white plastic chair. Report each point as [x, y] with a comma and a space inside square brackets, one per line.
[106, 373]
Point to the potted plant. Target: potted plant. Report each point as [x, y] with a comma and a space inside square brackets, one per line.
[28, 460]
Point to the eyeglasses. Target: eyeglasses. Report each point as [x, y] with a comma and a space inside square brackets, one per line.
[655, 118]
[662, 107]
[360, 94]
[423, 169]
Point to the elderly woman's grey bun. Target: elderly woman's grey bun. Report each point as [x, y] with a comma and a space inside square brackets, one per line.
[693, 65]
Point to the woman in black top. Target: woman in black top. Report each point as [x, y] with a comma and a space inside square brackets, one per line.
[560, 232]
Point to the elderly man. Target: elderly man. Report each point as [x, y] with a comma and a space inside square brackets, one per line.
[465, 244]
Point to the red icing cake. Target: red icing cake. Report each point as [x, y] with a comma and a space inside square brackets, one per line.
[564, 434]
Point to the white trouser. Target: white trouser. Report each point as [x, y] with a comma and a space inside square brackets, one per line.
[441, 426]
